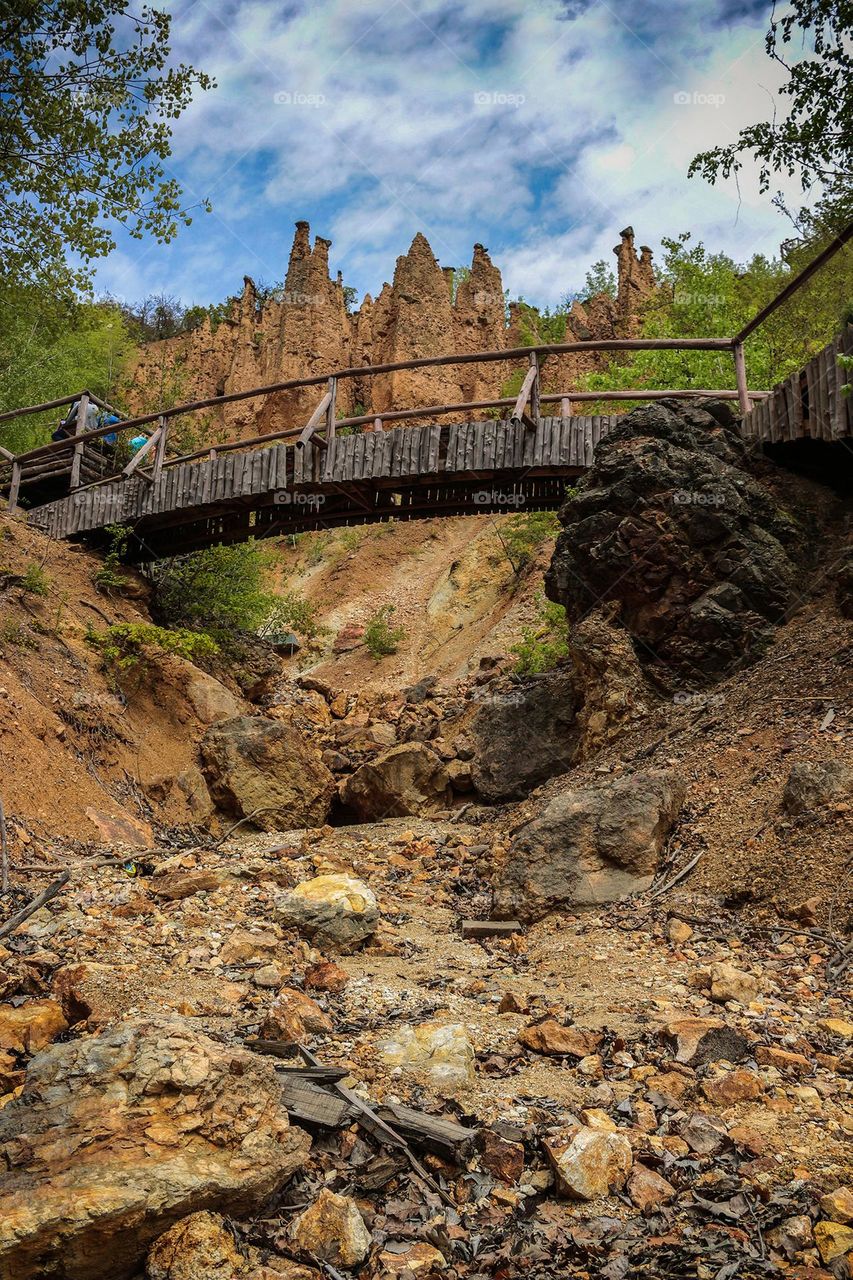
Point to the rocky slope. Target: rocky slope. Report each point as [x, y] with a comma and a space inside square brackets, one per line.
[582, 940]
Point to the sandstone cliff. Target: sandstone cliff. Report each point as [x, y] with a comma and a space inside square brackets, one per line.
[305, 329]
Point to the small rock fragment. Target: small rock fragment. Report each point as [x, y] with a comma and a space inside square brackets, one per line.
[444, 1051]
[833, 1239]
[550, 1037]
[838, 1204]
[333, 1230]
[589, 1163]
[728, 983]
[648, 1189]
[31, 1026]
[294, 1016]
[732, 1087]
[337, 912]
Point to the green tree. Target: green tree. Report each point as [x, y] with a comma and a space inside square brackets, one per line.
[812, 139]
[86, 103]
[51, 346]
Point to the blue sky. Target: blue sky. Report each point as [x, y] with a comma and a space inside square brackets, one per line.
[538, 127]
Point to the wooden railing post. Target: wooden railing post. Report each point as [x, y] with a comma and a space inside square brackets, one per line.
[740, 376]
[534, 390]
[160, 455]
[15, 486]
[330, 409]
[565, 407]
[377, 425]
[79, 434]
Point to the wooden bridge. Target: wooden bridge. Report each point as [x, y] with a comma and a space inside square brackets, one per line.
[334, 471]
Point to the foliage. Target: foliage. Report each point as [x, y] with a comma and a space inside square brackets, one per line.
[51, 345]
[127, 644]
[350, 298]
[291, 612]
[601, 278]
[812, 139]
[705, 294]
[541, 647]
[460, 275]
[225, 589]
[15, 634]
[108, 576]
[522, 536]
[87, 96]
[380, 637]
[35, 580]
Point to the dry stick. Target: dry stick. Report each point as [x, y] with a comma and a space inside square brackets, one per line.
[4, 853]
[268, 808]
[24, 914]
[655, 893]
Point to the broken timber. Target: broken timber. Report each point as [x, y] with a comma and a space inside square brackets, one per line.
[490, 928]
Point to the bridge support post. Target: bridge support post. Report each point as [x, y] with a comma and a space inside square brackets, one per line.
[79, 432]
[740, 377]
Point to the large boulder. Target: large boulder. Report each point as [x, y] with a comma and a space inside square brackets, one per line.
[670, 525]
[406, 780]
[589, 844]
[337, 912]
[522, 736]
[265, 768]
[117, 1136]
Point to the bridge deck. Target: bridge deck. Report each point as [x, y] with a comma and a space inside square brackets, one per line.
[261, 492]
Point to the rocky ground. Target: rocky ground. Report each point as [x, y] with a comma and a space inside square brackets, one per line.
[477, 979]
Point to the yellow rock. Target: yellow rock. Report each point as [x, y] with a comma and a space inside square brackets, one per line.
[837, 1027]
[31, 1026]
[833, 1239]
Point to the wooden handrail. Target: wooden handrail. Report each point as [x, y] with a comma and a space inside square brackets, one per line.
[422, 362]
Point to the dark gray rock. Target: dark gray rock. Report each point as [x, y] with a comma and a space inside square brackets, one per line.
[523, 735]
[670, 524]
[588, 844]
[812, 785]
[406, 780]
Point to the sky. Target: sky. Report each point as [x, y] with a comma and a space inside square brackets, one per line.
[539, 128]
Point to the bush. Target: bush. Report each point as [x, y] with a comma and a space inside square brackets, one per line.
[109, 576]
[523, 535]
[541, 647]
[380, 637]
[35, 580]
[224, 590]
[127, 644]
[292, 613]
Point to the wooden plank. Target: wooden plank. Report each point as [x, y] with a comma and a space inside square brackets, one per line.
[433, 447]
[311, 1104]
[490, 928]
[838, 417]
[479, 446]
[587, 442]
[443, 1136]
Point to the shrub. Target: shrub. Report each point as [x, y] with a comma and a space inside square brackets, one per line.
[35, 580]
[109, 576]
[379, 636]
[127, 644]
[541, 647]
[292, 613]
[523, 535]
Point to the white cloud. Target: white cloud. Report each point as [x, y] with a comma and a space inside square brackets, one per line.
[539, 129]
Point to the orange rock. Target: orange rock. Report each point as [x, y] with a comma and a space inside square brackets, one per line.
[733, 1086]
[293, 1016]
[30, 1026]
[551, 1038]
[782, 1060]
[326, 976]
[648, 1189]
[502, 1158]
[589, 1163]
